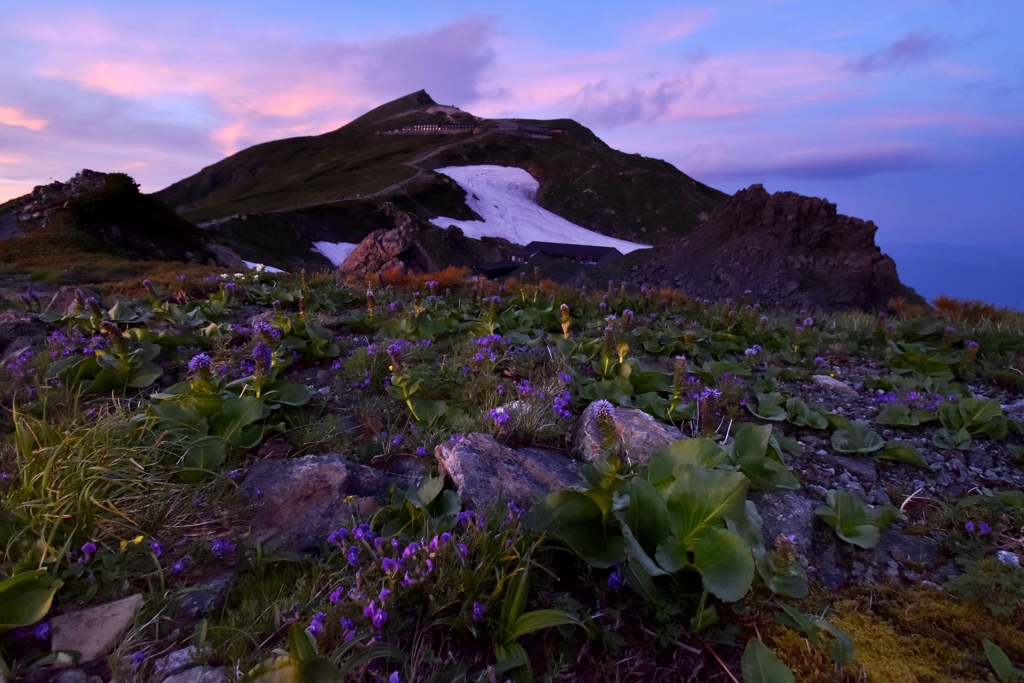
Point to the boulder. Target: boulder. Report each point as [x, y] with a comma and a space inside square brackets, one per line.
[94, 632]
[206, 596]
[486, 471]
[296, 503]
[918, 552]
[63, 302]
[785, 513]
[641, 434]
[199, 674]
[838, 386]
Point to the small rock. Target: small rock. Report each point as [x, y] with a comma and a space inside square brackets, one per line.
[299, 501]
[485, 470]
[1008, 558]
[834, 384]
[641, 435]
[198, 674]
[786, 512]
[864, 469]
[203, 598]
[94, 632]
[175, 661]
[917, 551]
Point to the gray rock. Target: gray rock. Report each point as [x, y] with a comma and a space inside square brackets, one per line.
[63, 302]
[175, 661]
[485, 471]
[834, 384]
[832, 575]
[786, 512]
[298, 502]
[18, 329]
[202, 599]
[864, 469]
[73, 675]
[199, 674]
[94, 632]
[641, 434]
[916, 551]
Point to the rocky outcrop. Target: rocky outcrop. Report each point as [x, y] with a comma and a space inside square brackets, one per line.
[786, 250]
[641, 435]
[415, 246]
[486, 471]
[296, 503]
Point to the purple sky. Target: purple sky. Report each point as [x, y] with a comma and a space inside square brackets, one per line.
[909, 113]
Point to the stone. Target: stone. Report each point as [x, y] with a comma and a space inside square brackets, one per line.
[93, 632]
[297, 502]
[486, 471]
[63, 302]
[834, 384]
[906, 549]
[19, 329]
[175, 662]
[641, 434]
[830, 573]
[864, 469]
[205, 597]
[199, 674]
[786, 512]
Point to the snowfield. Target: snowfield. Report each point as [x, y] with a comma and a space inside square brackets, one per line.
[270, 269]
[506, 198]
[336, 252]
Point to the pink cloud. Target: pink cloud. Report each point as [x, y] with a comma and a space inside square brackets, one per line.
[10, 116]
[671, 25]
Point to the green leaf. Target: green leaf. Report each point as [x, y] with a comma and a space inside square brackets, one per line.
[202, 456]
[540, 619]
[141, 376]
[837, 421]
[945, 439]
[768, 407]
[301, 645]
[750, 441]
[700, 499]
[761, 665]
[725, 563]
[897, 415]
[25, 598]
[287, 393]
[842, 645]
[646, 515]
[428, 411]
[802, 415]
[978, 411]
[671, 555]
[794, 618]
[429, 490]
[857, 438]
[277, 670]
[904, 452]
[578, 521]
[853, 521]
[1001, 664]
[766, 474]
[701, 452]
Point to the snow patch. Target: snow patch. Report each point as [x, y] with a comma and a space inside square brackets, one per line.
[270, 269]
[336, 252]
[506, 198]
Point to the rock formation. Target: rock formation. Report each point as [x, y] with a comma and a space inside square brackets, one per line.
[786, 249]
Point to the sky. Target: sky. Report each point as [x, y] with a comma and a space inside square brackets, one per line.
[907, 113]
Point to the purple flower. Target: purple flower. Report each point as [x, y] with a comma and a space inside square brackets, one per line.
[499, 415]
[446, 537]
[347, 624]
[316, 625]
[156, 547]
[421, 451]
[478, 611]
[178, 567]
[139, 656]
[383, 595]
[262, 356]
[969, 526]
[88, 550]
[200, 361]
[390, 565]
[353, 555]
[393, 678]
[463, 550]
[220, 547]
[336, 594]
[41, 631]
[984, 529]
[615, 581]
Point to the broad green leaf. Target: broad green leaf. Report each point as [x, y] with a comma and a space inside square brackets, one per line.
[842, 645]
[277, 670]
[301, 645]
[287, 393]
[761, 665]
[837, 421]
[767, 475]
[700, 499]
[945, 439]
[794, 618]
[897, 415]
[141, 376]
[699, 451]
[578, 521]
[802, 415]
[725, 563]
[750, 441]
[853, 521]
[904, 452]
[638, 556]
[671, 555]
[789, 580]
[429, 490]
[640, 581]
[1001, 664]
[646, 515]
[202, 456]
[705, 617]
[25, 598]
[768, 407]
[858, 438]
[978, 411]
